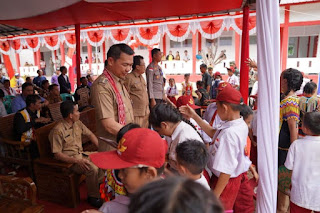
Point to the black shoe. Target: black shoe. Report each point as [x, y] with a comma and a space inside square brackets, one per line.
[95, 202]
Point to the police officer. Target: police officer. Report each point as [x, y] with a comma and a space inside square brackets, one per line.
[137, 88]
[109, 95]
[155, 81]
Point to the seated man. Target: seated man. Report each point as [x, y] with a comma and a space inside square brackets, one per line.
[28, 119]
[7, 89]
[82, 93]
[54, 94]
[66, 145]
[19, 102]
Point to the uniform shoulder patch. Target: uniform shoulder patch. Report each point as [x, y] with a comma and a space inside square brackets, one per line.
[103, 80]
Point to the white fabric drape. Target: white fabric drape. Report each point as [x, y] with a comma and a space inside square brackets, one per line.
[268, 42]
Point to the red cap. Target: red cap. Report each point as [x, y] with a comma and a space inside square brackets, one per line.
[186, 100]
[228, 94]
[217, 74]
[138, 147]
[230, 69]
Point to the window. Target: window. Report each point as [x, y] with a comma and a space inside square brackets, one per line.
[303, 47]
[210, 41]
[225, 41]
[253, 40]
[183, 44]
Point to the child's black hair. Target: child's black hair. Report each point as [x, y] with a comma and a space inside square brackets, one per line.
[246, 111]
[172, 195]
[311, 121]
[200, 84]
[294, 79]
[125, 129]
[1, 94]
[167, 113]
[310, 88]
[193, 155]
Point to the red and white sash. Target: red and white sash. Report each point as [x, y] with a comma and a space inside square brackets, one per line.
[121, 111]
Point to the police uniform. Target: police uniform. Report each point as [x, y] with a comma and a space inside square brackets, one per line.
[155, 82]
[104, 100]
[66, 138]
[137, 88]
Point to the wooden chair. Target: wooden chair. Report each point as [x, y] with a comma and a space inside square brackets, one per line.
[55, 181]
[13, 151]
[55, 111]
[18, 195]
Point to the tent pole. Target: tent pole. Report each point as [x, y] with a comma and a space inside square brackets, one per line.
[244, 69]
[77, 33]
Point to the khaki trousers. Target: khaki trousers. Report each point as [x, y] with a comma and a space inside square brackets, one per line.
[92, 178]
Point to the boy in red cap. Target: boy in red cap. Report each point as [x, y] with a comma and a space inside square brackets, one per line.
[227, 160]
[232, 79]
[140, 157]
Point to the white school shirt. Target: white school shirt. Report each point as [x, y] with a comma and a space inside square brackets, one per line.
[304, 160]
[233, 80]
[172, 92]
[182, 133]
[227, 154]
[12, 91]
[203, 181]
[204, 136]
[211, 109]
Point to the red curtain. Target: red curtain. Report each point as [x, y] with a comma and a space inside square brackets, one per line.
[7, 63]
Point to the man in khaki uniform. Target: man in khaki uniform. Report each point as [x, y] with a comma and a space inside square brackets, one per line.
[137, 88]
[155, 79]
[109, 95]
[66, 145]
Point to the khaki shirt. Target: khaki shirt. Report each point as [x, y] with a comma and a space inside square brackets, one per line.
[137, 88]
[155, 81]
[67, 139]
[104, 99]
[53, 99]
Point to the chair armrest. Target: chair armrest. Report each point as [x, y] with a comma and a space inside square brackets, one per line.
[15, 143]
[53, 163]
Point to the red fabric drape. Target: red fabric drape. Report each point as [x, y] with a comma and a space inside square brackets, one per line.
[77, 31]
[148, 32]
[120, 34]
[72, 68]
[244, 69]
[178, 30]
[71, 38]
[63, 56]
[251, 22]
[104, 51]
[211, 27]
[33, 42]
[8, 65]
[15, 44]
[52, 41]
[95, 36]
[5, 47]
[89, 48]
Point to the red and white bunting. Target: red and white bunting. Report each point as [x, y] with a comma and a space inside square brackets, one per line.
[120, 35]
[96, 37]
[51, 42]
[211, 29]
[178, 32]
[148, 35]
[16, 45]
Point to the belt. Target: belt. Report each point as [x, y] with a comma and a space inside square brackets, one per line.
[284, 149]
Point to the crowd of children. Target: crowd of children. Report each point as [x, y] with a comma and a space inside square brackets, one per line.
[173, 166]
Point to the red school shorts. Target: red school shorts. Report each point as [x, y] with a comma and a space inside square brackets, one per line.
[230, 192]
[297, 209]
